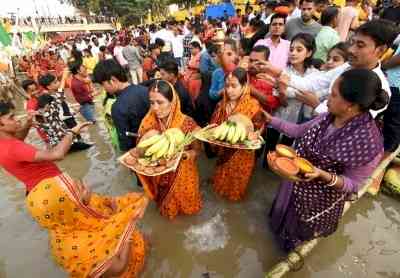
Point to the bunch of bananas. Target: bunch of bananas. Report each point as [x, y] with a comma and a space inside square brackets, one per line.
[231, 132]
[392, 179]
[164, 145]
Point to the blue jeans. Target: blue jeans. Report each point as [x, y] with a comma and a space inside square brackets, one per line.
[87, 111]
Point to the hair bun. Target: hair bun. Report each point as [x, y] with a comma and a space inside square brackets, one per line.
[381, 100]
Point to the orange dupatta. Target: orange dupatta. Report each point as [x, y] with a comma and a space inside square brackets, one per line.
[176, 191]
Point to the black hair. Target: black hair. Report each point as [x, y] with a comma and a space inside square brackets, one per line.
[309, 43]
[102, 48]
[363, 87]
[46, 80]
[343, 48]
[240, 74]
[87, 50]
[278, 15]
[74, 67]
[152, 46]
[170, 67]
[43, 100]
[106, 69]
[263, 49]
[289, 3]
[162, 88]
[76, 54]
[325, 2]
[212, 48]
[159, 42]
[256, 22]
[26, 83]
[328, 15]
[317, 63]
[195, 44]
[308, 1]
[381, 31]
[5, 108]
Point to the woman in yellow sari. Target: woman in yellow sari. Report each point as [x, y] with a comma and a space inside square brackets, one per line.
[175, 192]
[235, 167]
[90, 235]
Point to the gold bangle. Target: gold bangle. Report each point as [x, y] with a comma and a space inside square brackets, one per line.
[333, 181]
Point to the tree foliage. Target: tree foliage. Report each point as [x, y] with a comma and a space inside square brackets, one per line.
[129, 10]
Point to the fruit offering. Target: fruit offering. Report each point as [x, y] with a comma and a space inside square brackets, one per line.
[231, 132]
[156, 153]
[162, 146]
[286, 163]
[236, 132]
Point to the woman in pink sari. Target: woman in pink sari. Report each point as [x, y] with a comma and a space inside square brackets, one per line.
[191, 76]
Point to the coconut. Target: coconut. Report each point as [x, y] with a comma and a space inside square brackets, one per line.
[304, 165]
[285, 151]
[242, 119]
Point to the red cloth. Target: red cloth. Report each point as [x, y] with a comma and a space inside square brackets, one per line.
[17, 158]
[81, 91]
[267, 89]
[235, 20]
[32, 104]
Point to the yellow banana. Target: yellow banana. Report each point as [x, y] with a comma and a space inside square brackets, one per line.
[177, 134]
[163, 150]
[243, 133]
[231, 133]
[157, 146]
[225, 132]
[171, 148]
[218, 132]
[236, 135]
[149, 141]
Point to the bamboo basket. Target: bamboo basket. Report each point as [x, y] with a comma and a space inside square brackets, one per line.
[295, 259]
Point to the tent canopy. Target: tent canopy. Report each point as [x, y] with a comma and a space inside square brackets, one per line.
[217, 11]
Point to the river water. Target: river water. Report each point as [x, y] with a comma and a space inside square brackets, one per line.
[224, 240]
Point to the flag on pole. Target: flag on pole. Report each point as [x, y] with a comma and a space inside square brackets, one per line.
[5, 38]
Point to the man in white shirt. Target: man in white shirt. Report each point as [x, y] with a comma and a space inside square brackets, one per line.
[95, 47]
[367, 46]
[177, 46]
[165, 33]
[295, 12]
[118, 54]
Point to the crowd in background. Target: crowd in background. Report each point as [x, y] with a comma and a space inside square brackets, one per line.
[320, 78]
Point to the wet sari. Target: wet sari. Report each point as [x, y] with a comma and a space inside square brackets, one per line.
[84, 237]
[174, 192]
[235, 167]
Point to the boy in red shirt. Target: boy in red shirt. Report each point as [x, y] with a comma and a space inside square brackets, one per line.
[261, 89]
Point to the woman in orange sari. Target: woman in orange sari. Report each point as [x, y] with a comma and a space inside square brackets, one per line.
[174, 192]
[235, 167]
[192, 77]
[91, 236]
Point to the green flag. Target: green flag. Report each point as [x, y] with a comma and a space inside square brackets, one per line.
[30, 36]
[5, 38]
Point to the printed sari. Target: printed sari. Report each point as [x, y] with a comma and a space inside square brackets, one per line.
[235, 167]
[174, 192]
[85, 238]
[305, 210]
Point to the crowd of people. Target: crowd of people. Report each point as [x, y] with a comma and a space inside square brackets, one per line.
[311, 75]
[57, 20]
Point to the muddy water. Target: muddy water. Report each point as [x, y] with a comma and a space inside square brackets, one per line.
[224, 240]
